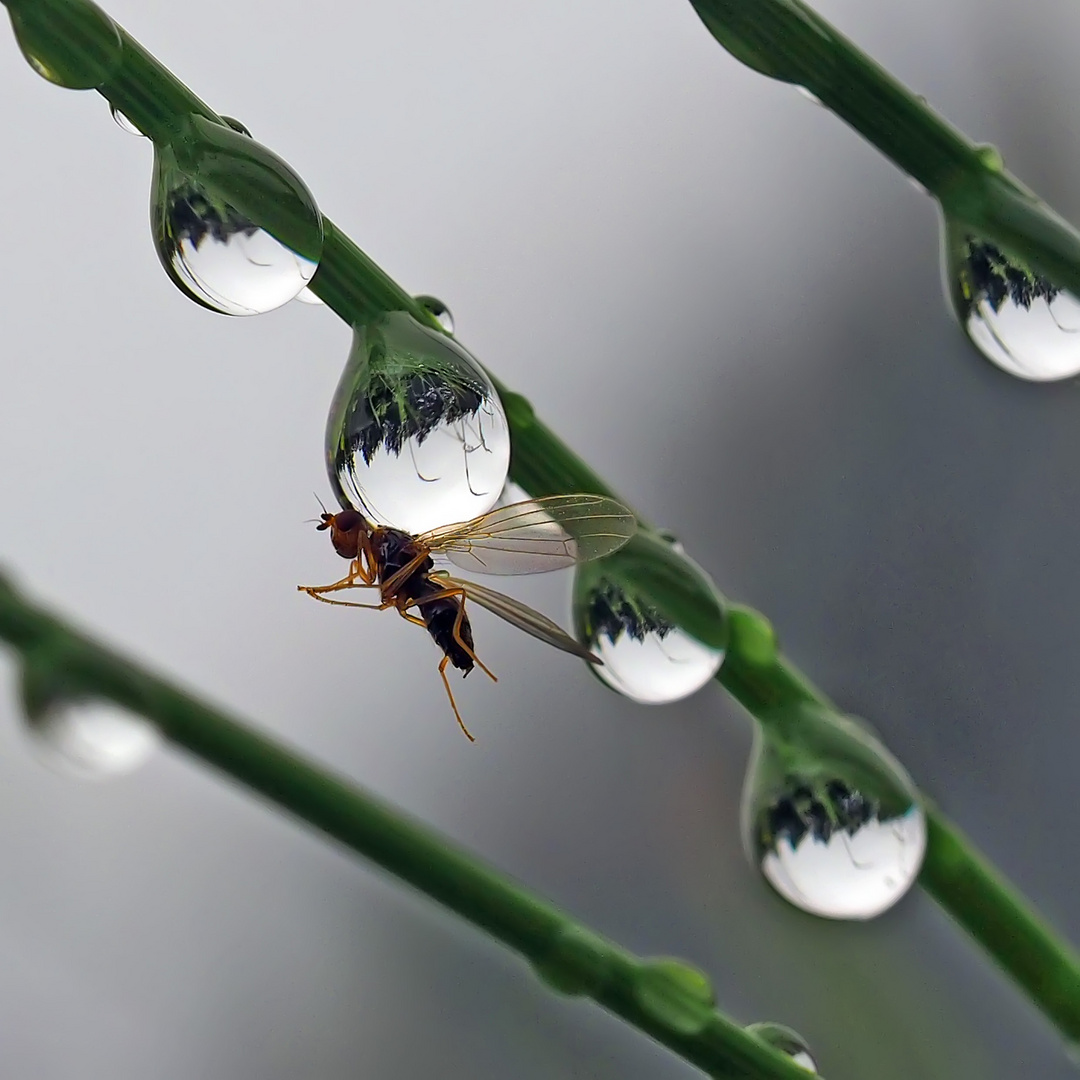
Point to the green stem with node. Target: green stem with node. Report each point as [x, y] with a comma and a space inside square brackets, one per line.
[665, 999]
[783, 39]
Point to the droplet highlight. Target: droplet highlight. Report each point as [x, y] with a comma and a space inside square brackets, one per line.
[209, 246]
[306, 296]
[437, 308]
[646, 657]
[676, 994]
[417, 436]
[92, 739]
[1018, 319]
[787, 1041]
[831, 818]
[123, 123]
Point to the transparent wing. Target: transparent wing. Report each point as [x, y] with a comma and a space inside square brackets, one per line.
[535, 536]
[523, 617]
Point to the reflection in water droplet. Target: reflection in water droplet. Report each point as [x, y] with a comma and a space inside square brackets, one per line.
[93, 739]
[123, 122]
[417, 436]
[786, 1040]
[831, 852]
[646, 658]
[306, 296]
[1017, 319]
[441, 312]
[214, 253]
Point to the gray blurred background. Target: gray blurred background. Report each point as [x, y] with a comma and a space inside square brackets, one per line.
[732, 308]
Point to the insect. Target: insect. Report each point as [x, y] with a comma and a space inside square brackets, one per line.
[524, 538]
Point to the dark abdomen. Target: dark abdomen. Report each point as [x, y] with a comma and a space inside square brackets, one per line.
[440, 616]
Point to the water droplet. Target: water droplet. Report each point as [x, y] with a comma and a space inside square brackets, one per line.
[441, 312]
[124, 123]
[990, 156]
[675, 993]
[210, 248]
[809, 95]
[753, 638]
[306, 296]
[1017, 319]
[48, 50]
[788, 1041]
[93, 739]
[830, 817]
[647, 658]
[417, 436]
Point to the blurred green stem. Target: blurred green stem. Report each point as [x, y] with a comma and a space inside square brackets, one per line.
[781, 38]
[666, 1000]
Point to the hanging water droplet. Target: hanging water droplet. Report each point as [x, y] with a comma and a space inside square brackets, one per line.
[647, 658]
[1018, 319]
[788, 1041]
[209, 246]
[437, 308]
[306, 296]
[830, 817]
[808, 94]
[124, 123]
[92, 739]
[45, 31]
[417, 436]
[676, 994]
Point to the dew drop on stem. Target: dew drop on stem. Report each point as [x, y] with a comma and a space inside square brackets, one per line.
[92, 739]
[830, 818]
[209, 247]
[1018, 319]
[442, 313]
[123, 123]
[785, 1040]
[646, 657]
[417, 436]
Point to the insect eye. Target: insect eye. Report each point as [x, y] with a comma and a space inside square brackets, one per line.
[347, 521]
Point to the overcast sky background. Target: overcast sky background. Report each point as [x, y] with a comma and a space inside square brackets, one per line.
[731, 307]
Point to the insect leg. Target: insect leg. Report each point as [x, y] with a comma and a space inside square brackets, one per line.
[395, 581]
[311, 591]
[450, 695]
[460, 592]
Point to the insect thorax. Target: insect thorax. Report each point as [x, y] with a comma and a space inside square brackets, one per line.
[394, 550]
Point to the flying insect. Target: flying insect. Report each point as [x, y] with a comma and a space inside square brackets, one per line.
[528, 537]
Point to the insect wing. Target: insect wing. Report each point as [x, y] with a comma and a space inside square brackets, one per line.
[535, 536]
[523, 617]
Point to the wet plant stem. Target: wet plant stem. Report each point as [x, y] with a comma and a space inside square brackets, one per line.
[569, 957]
[778, 37]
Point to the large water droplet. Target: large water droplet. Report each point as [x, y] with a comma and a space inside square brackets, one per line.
[647, 658]
[209, 246]
[93, 739]
[830, 816]
[1018, 319]
[46, 30]
[441, 312]
[787, 1041]
[417, 436]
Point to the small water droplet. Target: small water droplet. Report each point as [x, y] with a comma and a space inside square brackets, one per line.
[306, 296]
[990, 156]
[675, 993]
[1017, 319]
[210, 248]
[753, 638]
[93, 739]
[237, 126]
[417, 436]
[646, 657]
[85, 67]
[124, 123]
[441, 312]
[834, 823]
[808, 94]
[788, 1041]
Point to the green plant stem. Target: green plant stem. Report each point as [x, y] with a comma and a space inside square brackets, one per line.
[788, 40]
[794, 43]
[568, 956]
